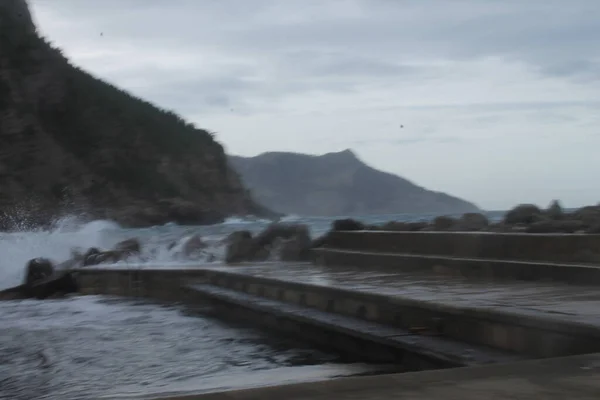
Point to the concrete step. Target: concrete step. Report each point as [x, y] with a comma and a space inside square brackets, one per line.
[367, 340]
[479, 268]
[559, 248]
[550, 321]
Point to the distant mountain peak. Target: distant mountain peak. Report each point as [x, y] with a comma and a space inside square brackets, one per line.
[346, 153]
[336, 184]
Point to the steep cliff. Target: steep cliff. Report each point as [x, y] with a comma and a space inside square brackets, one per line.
[71, 140]
[336, 184]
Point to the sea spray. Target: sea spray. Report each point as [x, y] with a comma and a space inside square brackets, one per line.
[161, 245]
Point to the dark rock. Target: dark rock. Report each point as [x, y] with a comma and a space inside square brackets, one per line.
[37, 270]
[89, 258]
[193, 245]
[56, 285]
[296, 248]
[291, 241]
[321, 241]
[472, 222]
[121, 252]
[190, 247]
[554, 211]
[13, 293]
[129, 246]
[524, 214]
[347, 224]
[239, 247]
[443, 223]
[589, 215]
[276, 230]
[42, 281]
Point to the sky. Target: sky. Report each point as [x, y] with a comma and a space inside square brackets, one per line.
[493, 101]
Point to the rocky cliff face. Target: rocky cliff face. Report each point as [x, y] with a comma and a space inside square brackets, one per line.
[71, 140]
[337, 184]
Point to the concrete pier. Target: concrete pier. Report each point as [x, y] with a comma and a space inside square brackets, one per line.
[529, 319]
[493, 316]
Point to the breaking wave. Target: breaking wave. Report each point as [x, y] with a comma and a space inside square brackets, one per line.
[160, 244]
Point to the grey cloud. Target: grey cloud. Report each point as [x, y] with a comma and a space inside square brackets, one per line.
[411, 140]
[331, 49]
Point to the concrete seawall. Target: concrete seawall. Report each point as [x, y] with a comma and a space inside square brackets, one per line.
[160, 284]
[350, 337]
[578, 274]
[516, 331]
[450, 334]
[520, 333]
[557, 248]
[573, 259]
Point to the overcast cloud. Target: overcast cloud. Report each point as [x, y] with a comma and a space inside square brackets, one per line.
[499, 99]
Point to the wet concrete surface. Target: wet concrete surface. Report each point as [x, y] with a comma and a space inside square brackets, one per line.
[445, 350]
[573, 303]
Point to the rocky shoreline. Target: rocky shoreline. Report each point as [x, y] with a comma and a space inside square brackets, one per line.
[293, 243]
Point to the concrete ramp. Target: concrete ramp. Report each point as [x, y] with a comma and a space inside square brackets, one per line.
[375, 342]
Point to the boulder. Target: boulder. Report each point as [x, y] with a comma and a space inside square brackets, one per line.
[296, 248]
[37, 270]
[589, 216]
[56, 285]
[321, 241]
[89, 257]
[443, 223]
[129, 246]
[291, 242]
[554, 211]
[524, 214]
[42, 280]
[121, 252]
[347, 224]
[472, 222]
[190, 247]
[193, 245]
[239, 247]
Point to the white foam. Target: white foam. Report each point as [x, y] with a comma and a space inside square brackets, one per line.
[71, 233]
[56, 244]
[245, 220]
[291, 218]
